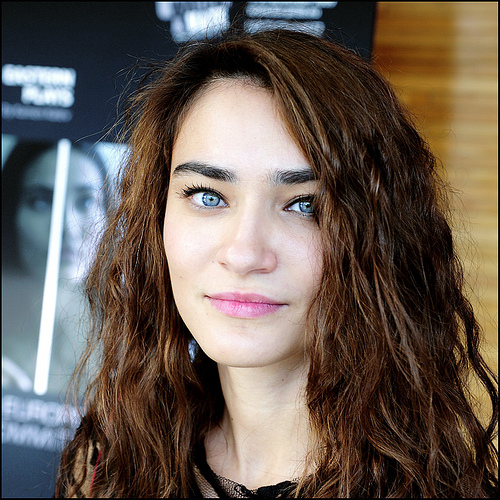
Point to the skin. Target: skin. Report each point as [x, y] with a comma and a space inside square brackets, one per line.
[84, 213]
[254, 237]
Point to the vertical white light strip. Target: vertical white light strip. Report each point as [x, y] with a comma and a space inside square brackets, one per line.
[41, 381]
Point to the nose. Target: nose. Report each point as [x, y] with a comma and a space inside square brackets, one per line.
[247, 245]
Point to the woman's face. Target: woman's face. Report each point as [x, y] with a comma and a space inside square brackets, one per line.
[84, 213]
[242, 246]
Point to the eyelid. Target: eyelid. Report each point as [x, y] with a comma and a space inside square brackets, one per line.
[190, 191]
[298, 199]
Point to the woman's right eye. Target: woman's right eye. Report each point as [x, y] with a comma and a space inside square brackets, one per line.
[207, 199]
[39, 200]
[204, 198]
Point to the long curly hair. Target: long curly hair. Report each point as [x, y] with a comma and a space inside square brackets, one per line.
[392, 340]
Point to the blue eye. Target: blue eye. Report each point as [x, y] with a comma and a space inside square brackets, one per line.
[38, 199]
[204, 197]
[85, 202]
[207, 199]
[303, 206]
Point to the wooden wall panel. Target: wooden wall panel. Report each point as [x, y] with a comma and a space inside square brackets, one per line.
[443, 59]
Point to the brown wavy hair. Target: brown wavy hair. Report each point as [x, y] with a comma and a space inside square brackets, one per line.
[392, 340]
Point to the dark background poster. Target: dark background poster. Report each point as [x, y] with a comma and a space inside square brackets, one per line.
[64, 66]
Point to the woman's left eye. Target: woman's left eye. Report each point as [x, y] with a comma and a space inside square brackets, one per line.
[85, 202]
[303, 205]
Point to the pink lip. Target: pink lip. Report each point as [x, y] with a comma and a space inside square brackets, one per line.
[244, 305]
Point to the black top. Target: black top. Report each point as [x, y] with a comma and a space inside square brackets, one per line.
[225, 488]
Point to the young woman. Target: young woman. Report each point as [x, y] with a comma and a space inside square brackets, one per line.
[277, 303]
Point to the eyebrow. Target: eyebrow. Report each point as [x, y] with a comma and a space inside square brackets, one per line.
[290, 177]
[217, 173]
[279, 177]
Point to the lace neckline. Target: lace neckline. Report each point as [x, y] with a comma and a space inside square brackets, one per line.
[237, 490]
[226, 488]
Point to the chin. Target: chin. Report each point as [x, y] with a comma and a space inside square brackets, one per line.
[251, 356]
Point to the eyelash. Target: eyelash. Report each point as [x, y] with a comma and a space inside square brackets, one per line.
[189, 191]
[309, 198]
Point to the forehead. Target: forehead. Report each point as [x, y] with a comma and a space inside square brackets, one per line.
[42, 168]
[81, 169]
[236, 123]
[230, 98]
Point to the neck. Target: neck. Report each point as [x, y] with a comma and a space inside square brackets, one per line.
[263, 437]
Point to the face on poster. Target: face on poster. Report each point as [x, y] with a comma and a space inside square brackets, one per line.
[28, 204]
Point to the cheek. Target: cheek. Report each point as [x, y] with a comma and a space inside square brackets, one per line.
[304, 257]
[34, 228]
[183, 248]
